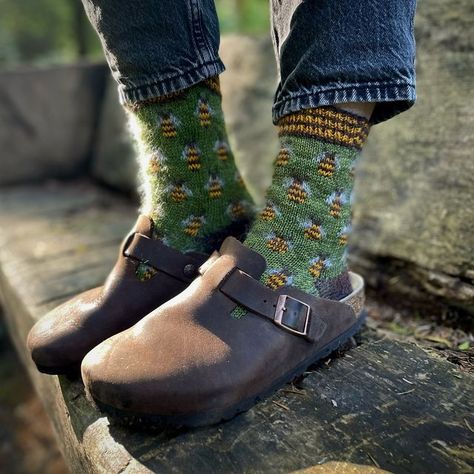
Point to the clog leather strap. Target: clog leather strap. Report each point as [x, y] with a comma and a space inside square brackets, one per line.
[300, 315]
[153, 252]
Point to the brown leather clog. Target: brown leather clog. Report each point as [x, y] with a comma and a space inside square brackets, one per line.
[192, 362]
[60, 340]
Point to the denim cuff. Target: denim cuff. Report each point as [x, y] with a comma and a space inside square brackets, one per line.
[156, 86]
[391, 98]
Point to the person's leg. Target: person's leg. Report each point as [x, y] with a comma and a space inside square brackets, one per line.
[350, 51]
[336, 59]
[164, 56]
[357, 58]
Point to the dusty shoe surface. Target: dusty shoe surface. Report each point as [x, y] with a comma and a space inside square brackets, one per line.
[60, 340]
[193, 362]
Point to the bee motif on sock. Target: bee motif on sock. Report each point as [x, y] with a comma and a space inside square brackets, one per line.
[269, 212]
[192, 155]
[214, 187]
[312, 229]
[327, 164]
[155, 162]
[178, 192]
[283, 156]
[336, 201]
[277, 243]
[343, 235]
[297, 190]
[237, 210]
[222, 150]
[169, 125]
[317, 266]
[144, 272]
[276, 278]
[204, 112]
[192, 225]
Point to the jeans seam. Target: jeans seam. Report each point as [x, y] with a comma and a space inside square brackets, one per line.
[155, 86]
[393, 94]
[354, 86]
[205, 38]
[133, 84]
[198, 32]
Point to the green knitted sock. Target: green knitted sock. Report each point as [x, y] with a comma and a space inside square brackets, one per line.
[191, 188]
[302, 231]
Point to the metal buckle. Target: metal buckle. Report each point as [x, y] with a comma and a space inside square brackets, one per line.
[282, 308]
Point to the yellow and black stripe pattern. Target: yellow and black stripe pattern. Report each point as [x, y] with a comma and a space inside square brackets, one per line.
[326, 124]
[162, 99]
[276, 279]
[213, 84]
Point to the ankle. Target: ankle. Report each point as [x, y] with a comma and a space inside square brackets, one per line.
[303, 230]
[190, 182]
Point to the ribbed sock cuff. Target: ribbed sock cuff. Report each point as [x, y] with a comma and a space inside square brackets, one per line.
[327, 124]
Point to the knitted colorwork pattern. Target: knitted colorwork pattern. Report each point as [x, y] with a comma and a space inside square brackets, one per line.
[303, 229]
[190, 185]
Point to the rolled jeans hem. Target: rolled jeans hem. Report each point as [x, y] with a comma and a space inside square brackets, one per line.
[156, 86]
[391, 99]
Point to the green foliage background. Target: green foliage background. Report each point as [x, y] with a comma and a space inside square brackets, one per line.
[55, 31]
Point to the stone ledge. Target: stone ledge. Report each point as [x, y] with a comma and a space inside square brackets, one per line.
[48, 117]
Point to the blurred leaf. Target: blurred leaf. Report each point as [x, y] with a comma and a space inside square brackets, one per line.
[398, 329]
[243, 16]
[43, 31]
[438, 339]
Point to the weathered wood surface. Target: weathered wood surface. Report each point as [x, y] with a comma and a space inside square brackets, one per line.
[385, 403]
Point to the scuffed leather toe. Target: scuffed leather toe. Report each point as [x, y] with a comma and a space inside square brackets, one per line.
[192, 362]
[58, 330]
[117, 372]
[63, 337]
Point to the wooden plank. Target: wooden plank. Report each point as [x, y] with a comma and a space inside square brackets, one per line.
[68, 236]
[385, 403]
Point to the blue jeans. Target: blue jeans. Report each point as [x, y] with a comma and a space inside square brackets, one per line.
[328, 51]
